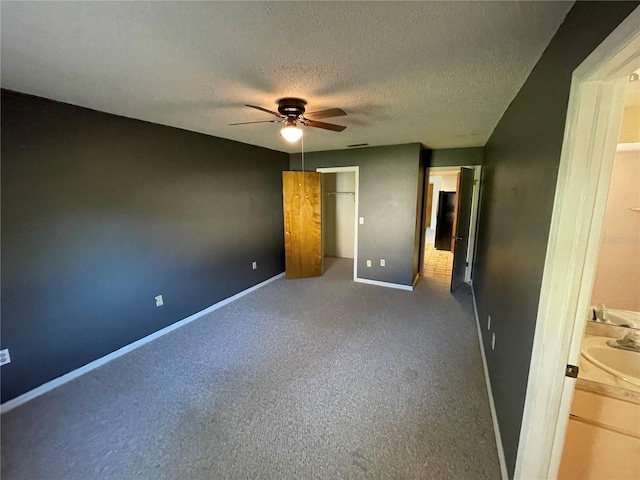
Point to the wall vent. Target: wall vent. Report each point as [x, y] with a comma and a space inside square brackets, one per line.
[357, 145]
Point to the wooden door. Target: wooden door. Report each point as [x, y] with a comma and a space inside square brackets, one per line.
[429, 203]
[302, 203]
[460, 233]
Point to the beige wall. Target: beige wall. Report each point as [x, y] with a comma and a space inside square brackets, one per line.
[339, 215]
[442, 182]
[617, 282]
[630, 130]
[450, 182]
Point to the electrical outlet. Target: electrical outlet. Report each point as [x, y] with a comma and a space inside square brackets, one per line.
[159, 301]
[382, 262]
[368, 263]
[361, 220]
[4, 357]
[493, 341]
[489, 322]
[254, 265]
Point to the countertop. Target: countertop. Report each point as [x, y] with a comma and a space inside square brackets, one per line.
[594, 379]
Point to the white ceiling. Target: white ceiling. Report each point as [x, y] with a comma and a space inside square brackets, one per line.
[440, 73]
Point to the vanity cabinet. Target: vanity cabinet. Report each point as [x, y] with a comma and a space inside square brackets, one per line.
[603, 438]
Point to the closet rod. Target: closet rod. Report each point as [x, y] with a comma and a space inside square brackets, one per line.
[353, 194]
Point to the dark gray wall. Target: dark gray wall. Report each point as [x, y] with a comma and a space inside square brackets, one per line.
[456, 157]
[102, 213]
[389, 178]
[518, 186]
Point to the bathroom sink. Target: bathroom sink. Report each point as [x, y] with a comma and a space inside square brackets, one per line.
[624, 317]
[623, 364]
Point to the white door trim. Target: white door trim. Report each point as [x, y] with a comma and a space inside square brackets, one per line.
[473, 227]
[356, 171]
[593, 121]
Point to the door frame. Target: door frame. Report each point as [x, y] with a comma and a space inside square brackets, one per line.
[356, 171]
[475, 202]
[594, 115]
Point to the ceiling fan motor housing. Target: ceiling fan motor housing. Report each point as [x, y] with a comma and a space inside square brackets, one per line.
[291, 110]
[291, 107]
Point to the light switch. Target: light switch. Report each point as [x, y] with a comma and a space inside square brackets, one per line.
[361, 220]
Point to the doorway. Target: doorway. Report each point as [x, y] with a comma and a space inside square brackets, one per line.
[339, 214]
[613, 322]
[442, 253]
[440, 205]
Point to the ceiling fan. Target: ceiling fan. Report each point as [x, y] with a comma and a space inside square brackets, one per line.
[291, 112]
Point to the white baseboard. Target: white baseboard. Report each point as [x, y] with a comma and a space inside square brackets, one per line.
[384, 284]
[492, 405]
[36, 392]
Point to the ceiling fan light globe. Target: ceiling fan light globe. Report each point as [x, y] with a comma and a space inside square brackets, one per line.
[291, 134]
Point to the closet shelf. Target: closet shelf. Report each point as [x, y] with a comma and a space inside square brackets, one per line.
[353, 194]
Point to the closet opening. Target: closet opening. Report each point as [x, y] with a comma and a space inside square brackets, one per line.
[339, 215]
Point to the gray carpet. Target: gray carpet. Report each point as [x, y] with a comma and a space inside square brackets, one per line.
[308, 379]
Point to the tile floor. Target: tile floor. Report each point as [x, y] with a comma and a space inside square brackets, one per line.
[437, 263]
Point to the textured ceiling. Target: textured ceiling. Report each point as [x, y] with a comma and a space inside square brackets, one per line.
[440, 73]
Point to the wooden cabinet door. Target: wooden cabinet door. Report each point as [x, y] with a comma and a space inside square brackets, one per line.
[302, 203]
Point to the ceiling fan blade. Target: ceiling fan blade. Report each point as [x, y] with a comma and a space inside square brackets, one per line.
[331, 112]
[261, 121]
[264, 110]
[324, 125]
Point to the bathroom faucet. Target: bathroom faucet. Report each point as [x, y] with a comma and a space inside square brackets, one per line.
[600, 314]
[603, 313]
[631, 342]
